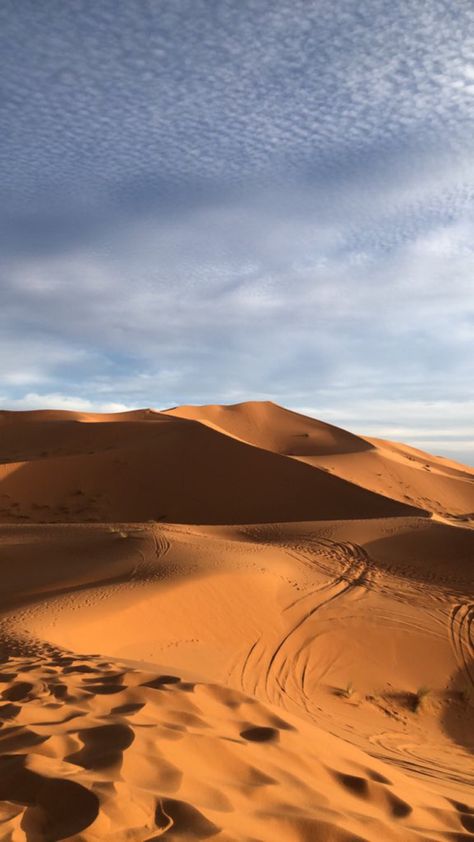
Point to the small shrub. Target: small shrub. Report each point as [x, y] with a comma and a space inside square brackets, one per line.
[348, 690]
[467, 694]
[114, 531]
[420, 696]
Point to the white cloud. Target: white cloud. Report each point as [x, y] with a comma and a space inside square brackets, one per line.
[164, 268]
[444, 427]
[179, 90]
[34, 400]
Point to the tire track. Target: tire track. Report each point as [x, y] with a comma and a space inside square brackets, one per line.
[247, 660]
[352, 555]
[146, 570]
[461, 621]
[421, 757]
[162, 545]
[274, 673]
[284, 663]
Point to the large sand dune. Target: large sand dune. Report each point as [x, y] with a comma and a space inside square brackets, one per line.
[233, 623]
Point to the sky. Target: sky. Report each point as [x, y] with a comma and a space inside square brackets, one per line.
[209, 201]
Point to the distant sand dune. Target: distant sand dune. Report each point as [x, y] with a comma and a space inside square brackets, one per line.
[169, 469]
[233, 623]
[393, 470]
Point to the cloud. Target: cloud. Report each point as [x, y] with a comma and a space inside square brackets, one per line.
[436, 426]
[226, 201]
[55, 400]
[240, 300]
[182, 89]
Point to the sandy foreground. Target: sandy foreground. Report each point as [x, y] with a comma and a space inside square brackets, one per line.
[232, 623]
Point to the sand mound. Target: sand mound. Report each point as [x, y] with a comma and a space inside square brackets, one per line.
[267, 425]
[393, 470]
[289, 658]
[94, 749]
[167, 468]
[34, 416]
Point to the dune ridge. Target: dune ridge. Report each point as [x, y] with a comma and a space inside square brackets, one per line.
[235, 623]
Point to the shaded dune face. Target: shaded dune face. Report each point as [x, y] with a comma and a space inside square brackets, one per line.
[232, 623]
[392, 470]
[177, 470]
[248, 463]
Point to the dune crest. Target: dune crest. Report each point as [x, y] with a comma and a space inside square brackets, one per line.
[233, 623]
[166, 467]
[391, 469]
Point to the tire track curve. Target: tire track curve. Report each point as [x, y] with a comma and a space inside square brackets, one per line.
[461, 622]
[279, 668]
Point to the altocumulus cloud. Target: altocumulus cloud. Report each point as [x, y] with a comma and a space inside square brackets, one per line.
[220, 201]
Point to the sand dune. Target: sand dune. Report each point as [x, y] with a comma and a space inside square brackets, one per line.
[243, 645]
[169, 469]
[272, 427]
[393, 470]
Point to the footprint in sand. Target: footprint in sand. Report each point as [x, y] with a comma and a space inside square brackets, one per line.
[103, 746]
[55, 808]
[260, 734]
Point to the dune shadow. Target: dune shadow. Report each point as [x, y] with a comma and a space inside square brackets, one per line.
[211, 478]
[260, 734]
[457, 719]
[179, 818]
[103, 746]
[55, 808]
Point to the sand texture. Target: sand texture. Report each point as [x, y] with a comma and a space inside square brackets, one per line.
[232, 623]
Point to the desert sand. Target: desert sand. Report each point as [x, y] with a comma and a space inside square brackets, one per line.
[232, 623]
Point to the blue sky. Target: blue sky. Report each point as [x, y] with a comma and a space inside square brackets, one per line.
[212, 201]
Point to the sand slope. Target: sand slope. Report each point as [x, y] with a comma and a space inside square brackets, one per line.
[188, 672]
[393, 470]
[163, 468]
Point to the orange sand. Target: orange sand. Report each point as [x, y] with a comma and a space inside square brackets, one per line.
[233, 623]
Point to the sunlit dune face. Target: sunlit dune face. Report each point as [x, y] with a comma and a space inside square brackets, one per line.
[233, 622]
